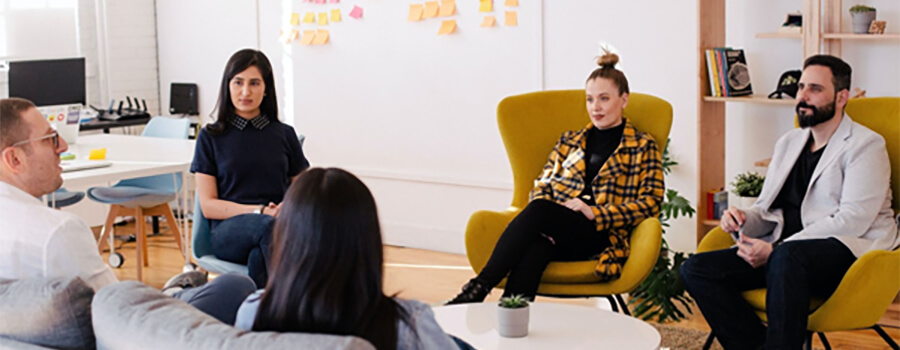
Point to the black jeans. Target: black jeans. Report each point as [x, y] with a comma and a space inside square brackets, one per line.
[525, 247]
[221, 297]
[244, 239]
[795, 272]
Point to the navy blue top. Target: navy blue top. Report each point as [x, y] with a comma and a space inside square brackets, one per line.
[251, 165]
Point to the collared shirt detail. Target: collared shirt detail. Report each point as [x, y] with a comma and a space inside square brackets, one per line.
[258, 122]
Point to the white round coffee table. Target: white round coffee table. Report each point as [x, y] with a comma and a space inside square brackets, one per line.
[552, 326]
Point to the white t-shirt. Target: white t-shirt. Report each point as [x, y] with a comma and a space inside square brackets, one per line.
[38, 241]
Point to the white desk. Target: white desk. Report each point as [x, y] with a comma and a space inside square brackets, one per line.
[552, 326]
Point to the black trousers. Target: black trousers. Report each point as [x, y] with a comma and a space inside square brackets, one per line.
[795, 272]
[542, 232]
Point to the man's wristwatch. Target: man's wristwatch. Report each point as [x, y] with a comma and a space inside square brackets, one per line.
[260, 209]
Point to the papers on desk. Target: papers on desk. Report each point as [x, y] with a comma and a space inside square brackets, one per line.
[75, 165]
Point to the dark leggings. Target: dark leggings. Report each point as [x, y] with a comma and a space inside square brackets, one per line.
[221, 297]
[244, 239]
[525, 248]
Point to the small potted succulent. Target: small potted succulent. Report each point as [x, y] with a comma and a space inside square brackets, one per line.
[748, 186]
[512, 317]
[862, 17]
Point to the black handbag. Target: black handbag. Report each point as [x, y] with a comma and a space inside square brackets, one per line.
[787, 84]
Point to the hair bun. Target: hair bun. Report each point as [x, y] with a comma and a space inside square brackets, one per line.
[608, 60]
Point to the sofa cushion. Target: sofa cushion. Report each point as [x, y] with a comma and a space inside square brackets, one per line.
[49, 312]
[131, 315]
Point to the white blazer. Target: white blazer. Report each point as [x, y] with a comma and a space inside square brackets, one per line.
[849, 194]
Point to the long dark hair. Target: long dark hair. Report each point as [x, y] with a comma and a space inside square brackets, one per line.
[326, 272]
[239, 62]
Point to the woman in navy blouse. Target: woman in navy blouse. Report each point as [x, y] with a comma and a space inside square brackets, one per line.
[244, 162]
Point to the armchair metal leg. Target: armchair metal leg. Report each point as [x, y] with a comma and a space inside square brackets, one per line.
[824, 341]
[808, 342]
[709, 341]
[622, 303]
[613, 303]
[886, 337]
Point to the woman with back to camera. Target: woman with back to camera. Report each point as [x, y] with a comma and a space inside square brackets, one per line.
[328, 270]
[570, 219]
[244, 163]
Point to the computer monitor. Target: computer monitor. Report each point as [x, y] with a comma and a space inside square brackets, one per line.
[48, 82]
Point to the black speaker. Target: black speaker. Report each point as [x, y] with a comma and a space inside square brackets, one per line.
[183, 99]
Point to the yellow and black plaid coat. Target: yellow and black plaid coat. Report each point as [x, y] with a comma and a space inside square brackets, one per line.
[628, 188]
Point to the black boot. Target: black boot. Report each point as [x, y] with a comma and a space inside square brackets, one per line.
[473, 292]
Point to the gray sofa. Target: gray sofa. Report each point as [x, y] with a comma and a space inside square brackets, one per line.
[131, 315]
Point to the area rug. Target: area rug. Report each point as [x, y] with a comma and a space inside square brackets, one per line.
[677, 338]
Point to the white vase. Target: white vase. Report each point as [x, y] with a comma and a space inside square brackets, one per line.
[861, 21]
[512, 323]
[747, 202]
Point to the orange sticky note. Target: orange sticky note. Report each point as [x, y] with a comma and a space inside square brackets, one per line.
[415, 13]
[486, 6]
[512, 2]
[336, 15]
[323, 19]
[488, 21]
[321, 37]
[284, 37]
[308, 37]
[97, 154]
[295, 34]
[447, 27]
[309, 17]
[295, 19]
[512, 19]
[448, 8]
[431, 9]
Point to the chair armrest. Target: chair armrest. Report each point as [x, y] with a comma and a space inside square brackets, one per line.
[483, 231]
[646, 241]
[863, 295]
[715, 239]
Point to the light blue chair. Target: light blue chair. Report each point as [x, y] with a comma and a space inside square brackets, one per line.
[64, 198]
[201, 248]
[144, 196]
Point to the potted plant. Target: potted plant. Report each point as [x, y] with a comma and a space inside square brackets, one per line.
[655, 298]
[862, 17]
[512, 317]
[748, 186]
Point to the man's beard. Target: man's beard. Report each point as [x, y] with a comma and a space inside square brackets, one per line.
[818, 116]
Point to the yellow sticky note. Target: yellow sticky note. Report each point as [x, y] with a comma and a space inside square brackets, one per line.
[431, 9]
[486, 6]
[321, 37]
[336, 15]
[488, 21]
[512, 19]
[308, 37]
[97, 154]
[447, 27]
[323, 19]
[295, 19]
[448, 8]
[309, 18]
[512, 2]
[415, 13]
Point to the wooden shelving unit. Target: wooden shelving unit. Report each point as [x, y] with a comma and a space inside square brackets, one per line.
[752, 99]
[851, 36]
[779, 35]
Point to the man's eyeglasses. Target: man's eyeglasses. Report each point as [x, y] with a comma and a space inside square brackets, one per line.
[53, 136]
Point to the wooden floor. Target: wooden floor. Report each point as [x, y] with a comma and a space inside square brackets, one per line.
[433, 277]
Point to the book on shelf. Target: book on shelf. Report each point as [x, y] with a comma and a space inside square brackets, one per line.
[737, 73]
[713, 74]
[720, 66]
[717, 202]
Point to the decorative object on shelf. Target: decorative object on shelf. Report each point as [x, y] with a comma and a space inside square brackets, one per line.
[862, 17]
[655, 297]
[512, 317]
[787, 84]
[748, 186]
[793, 24]
[738, 75]
[877, 27]
[858, 93]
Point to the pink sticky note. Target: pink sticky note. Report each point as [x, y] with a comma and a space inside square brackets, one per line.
[334, 1]
[356, 12]
[320, 1]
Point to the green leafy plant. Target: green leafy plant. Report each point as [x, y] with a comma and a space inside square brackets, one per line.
[514, 302]
[748, 184]
[656, 297]
[861, 9]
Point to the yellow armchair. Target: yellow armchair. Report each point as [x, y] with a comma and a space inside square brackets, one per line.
[530, 124]
[874, 279]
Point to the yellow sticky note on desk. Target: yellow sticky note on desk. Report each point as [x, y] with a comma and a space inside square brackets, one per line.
[488, 21]
[486, 6]
[309, 17]
[447, 27]
[448, 8]
[415, 13]
[512, 2]
[323, 19]
[308, 36]
[431, 9]
[97, 154]
[321, 37]
[512, 19]
[295, 19]
[336, 15]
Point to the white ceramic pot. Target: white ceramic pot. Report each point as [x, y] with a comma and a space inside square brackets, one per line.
[747, 202]
[512, 323]
[861, 21]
